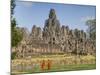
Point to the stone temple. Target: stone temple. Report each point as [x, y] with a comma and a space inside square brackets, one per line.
[54, 38]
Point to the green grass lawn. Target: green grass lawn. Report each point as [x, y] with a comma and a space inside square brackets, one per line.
[56, 68]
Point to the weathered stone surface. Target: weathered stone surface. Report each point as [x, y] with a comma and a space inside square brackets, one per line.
[51, 31]
[36, 32]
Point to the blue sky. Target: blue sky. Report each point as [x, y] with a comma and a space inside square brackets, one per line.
[28, 14]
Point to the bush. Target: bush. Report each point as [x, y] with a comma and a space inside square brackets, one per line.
[13, 55]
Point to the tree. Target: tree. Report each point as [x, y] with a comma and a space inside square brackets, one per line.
[12, 6]
[91, 28]
[13, 23]
[16, 35]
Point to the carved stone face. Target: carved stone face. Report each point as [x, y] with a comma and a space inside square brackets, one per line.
[52, 14]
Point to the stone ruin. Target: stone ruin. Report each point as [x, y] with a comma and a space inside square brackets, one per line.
[54, 38]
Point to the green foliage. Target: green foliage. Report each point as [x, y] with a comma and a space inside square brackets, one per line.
[13, 55]
[16, 35]
[13, 23]
[91, 28]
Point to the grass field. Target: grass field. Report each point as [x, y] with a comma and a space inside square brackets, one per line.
[58, 63]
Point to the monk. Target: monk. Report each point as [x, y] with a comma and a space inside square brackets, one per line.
[49, 64]
[43, 65]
